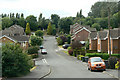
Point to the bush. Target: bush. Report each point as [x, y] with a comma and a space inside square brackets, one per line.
[70, 52]
[112, 61]
[39, 33]
[82, 51]
[35, 41]
[68, 38]
[115, 55]
[91, 51]
[104, 56]
[34, 56]
[64, 39]
[14, 62]
[33, 50]
[59, 41]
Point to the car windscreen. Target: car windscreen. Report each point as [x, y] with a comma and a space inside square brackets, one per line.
[44, 50]
[96, 60]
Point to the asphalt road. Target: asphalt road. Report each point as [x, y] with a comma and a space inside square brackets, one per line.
[64, 66]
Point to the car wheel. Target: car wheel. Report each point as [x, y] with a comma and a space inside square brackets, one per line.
[91, 69]
[104, 70]
[88, 68]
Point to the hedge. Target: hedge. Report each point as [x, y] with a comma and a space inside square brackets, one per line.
[104, 56]
[33, 50]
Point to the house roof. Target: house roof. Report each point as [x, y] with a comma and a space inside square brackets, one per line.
[14, 29]
[93, 35]
[20, 38]
[103, 35]
[16, 38]
[115, 33]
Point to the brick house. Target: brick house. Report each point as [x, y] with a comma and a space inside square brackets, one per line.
[115, 41]
[80, 33]
[93, 41]
[16, 35]
[103, 41]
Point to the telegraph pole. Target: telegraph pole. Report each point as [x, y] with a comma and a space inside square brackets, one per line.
[109, 32]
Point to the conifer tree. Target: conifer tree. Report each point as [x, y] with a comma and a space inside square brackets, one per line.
[49, 29]
[28, 31]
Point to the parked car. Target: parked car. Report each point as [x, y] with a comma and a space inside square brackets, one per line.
[65, 46]
[43, 51]
[96, 63]
[41, 47]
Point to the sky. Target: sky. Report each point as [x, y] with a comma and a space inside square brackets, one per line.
[64, 8]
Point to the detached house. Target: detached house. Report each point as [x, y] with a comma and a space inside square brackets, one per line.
[80, 33]
[16, 35]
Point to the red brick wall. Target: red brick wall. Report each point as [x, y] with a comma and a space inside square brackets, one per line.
[93, 44]
[115, 46]
[82, 35]
[104, 46]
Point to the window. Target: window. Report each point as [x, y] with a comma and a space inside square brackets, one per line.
[4, 39]
[98, 41]
[115, 47]
[24, 44]
[90, 40]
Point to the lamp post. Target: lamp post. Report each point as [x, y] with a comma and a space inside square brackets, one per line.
[109, 32]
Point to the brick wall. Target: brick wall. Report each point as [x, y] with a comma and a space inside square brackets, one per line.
[104, 46]
[82, 35]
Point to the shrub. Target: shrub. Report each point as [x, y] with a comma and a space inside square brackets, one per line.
[69, 48]
[34, 56]
[104, 56]
[68, 38]
[63, 38]
[39, 33]
[35, 41]
[91, 51]
[33, 50]
[112, 61]
[115, 55]
[59, 41]
[82, 51]
[70, 52]
[14, 61]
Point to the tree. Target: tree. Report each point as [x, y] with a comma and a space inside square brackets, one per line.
[15, 20]
[14, 61]
[17, 15]
[22, 22]
[39, 33]
[97, 26]
[6, 22]
[54, 30]
[59, 41]
[81, 13]
[35, 41]
[64, 24]
[49, 29]
[99, 9]
[22, 15]
[33, 22]
[55, 18]
[27, 31]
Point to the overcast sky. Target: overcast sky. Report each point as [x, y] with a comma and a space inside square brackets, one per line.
[64, 8]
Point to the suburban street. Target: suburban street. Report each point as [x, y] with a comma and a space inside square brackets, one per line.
[64, 66]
